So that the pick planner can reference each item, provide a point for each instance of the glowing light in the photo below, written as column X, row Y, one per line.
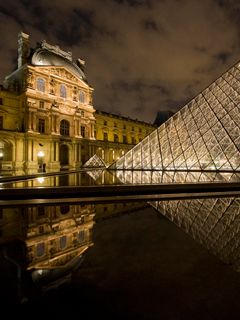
column 41, row 154
column 40, row 180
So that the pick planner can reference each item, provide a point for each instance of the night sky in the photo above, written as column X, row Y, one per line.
column 142, row 56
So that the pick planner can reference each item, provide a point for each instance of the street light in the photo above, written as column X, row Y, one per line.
column 40, row 180
column 40, row 157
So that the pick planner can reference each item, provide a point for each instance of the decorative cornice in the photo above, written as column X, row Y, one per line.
column 56, row 49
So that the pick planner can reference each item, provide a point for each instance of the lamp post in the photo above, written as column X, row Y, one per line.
column 40, row 159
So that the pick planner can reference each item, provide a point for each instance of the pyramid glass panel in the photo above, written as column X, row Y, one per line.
column 159, row 176
column 203, row 135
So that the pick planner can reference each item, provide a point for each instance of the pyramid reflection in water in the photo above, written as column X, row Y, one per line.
column 203, row 135
column 212, row 222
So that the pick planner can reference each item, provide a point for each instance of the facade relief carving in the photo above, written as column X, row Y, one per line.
column 54, row 105
column 64, row 74
column 75, row 92
column 31, row 104
column 52, row 85
column 29, row 79
column 66, row 109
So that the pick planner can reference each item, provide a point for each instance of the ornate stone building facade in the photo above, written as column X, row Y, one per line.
column 47, row 119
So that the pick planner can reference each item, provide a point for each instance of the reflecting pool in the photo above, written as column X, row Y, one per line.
column 140, row 260
column 111, row 177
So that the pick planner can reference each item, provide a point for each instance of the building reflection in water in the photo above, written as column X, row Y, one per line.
column 46, row 244
column 213, row 222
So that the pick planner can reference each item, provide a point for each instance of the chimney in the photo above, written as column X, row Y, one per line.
column 23, row 47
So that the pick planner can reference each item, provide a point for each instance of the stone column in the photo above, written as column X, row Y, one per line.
column 57, row 151
column 29, row 119
column 34, row 123
column 57, row 125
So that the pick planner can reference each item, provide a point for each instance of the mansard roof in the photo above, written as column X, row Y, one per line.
column 48, row 55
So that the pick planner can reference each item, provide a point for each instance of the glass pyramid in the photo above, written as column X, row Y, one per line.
column 94, row 162
column 168, row 177
column 213, row 222
column 203, row 135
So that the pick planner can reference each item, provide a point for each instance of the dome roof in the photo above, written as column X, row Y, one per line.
column 44, row 57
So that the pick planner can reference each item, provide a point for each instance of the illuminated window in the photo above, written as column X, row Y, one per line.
column 41, row 125
column 63, row 91
column 40, row 84
column 82, row 97
column 64, row 128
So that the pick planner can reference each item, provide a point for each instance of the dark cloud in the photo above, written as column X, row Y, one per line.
column 134, row 3
column 141, row 56
column 78, row 29
column 139, row 86
column 150, row 25
column 223, row 57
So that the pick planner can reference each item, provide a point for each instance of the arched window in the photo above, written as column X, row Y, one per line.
column 63, row 91
column 82, row 97
column 64, row 128
column 40, row 84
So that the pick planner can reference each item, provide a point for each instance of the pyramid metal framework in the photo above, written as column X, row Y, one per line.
column 213, row 222
column 162, row 177
column 94, row 162
column 203, row 135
